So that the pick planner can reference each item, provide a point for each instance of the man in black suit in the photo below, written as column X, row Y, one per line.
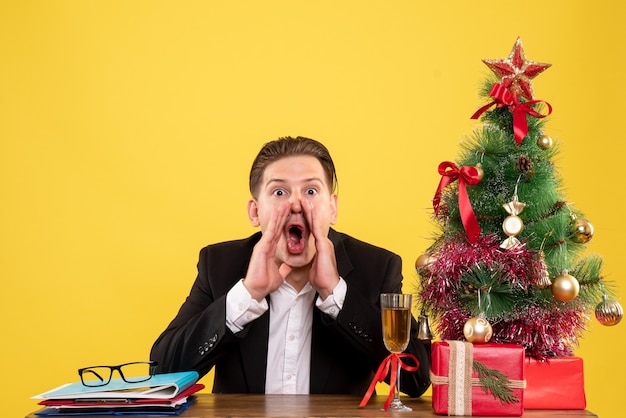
column 294, row 308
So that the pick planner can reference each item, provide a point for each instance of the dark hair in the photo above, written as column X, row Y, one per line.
column 287, row 147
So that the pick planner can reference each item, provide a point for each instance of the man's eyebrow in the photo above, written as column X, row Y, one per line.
column 313, row 179
column 307, row 180
column 275, row 180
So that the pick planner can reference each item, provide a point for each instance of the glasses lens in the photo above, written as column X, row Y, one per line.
column 96, row 376
column 137, row 372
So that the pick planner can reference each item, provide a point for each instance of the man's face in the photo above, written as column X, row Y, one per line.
column 292, row 180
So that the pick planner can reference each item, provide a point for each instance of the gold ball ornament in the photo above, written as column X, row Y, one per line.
column 565, row 287
column 582, row 230
column 424, row 260
column 544, row 142
column 609, row 312
column 481, row 172
column 477, row 330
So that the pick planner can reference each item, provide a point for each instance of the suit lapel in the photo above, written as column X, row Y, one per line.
column 253, row 347
column 320, row 365
column 344, row 265
column 254, row 354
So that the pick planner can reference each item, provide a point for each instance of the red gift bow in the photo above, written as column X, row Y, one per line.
column 392, row 362
column 466, row 175
column 503, row 97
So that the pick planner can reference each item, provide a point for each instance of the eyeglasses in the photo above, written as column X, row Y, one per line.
column 135, row 372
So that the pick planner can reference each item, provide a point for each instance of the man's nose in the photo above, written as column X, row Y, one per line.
column 296, row 205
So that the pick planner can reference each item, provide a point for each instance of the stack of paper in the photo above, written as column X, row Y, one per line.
column 164, row 394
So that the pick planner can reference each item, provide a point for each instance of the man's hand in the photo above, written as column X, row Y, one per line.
column 264, row 273
column 323, row 275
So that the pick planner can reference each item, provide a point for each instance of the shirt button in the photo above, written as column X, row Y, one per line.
column 248, row 315
column 288, row 377
column 292, row 337
column 332, row 311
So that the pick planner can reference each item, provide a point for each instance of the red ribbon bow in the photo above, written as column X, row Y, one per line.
column 503, row 97
column 392, row 362
column 466, row 175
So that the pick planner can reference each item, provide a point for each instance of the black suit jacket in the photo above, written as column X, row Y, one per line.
column 345, row 352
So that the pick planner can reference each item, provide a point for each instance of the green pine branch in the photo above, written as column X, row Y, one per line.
column 493, row 381
column 487, row 291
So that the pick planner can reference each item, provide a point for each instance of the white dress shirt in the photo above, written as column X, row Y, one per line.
column 291, row 320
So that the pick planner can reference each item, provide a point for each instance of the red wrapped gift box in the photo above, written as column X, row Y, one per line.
column 557, row 383
column 456, row 388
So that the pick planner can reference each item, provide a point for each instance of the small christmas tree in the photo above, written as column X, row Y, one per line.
column 508, row 264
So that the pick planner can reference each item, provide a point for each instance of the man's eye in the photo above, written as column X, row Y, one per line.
column 311, row 191
column 279, row 192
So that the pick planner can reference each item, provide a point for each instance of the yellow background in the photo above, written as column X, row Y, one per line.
column 127, row 129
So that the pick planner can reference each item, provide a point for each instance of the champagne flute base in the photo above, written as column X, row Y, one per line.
column 398, row 406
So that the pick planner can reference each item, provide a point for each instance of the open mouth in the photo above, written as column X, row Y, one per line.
column 295, row 238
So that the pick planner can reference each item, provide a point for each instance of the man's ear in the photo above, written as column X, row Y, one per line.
column 334, row 206
column 253, row 212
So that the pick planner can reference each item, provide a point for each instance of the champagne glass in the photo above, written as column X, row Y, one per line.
column 396, row 319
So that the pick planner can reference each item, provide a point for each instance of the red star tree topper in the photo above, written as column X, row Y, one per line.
column 516, row 72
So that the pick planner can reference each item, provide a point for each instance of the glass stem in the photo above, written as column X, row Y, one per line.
column 396, row 396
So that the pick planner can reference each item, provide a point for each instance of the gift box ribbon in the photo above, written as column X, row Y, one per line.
column 460, row 380
column 392, row 361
